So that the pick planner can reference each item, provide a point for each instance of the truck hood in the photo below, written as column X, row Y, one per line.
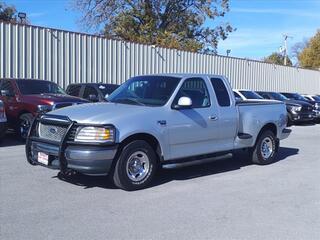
column 101, row 113
column 296, row 103
column 49, row 98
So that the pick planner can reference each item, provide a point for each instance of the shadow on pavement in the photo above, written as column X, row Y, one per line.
column 238, row 161
column 11, row 139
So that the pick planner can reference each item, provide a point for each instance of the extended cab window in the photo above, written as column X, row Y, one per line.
column 221, row 92
column 196, row 90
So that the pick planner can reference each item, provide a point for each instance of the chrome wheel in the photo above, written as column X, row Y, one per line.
column 138, row 166
column 266, row 147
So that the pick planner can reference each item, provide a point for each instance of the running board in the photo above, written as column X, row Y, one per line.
column 195, row 162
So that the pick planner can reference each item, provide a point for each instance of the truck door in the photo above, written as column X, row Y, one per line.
column 193, row 131
column 228, row 115
column 8, row 97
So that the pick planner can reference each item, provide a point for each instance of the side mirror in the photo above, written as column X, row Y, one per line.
column 6, row 93
column 183, row 103
column 93, row 98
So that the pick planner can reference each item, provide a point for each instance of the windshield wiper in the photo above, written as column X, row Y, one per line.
column 128, row 100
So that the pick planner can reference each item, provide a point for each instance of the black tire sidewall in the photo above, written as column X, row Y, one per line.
column 259, row 158
column 24, row 117
column 121, row 178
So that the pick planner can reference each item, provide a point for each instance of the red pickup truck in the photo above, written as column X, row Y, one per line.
column 25, row 98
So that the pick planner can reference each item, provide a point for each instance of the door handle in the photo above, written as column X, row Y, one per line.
column 213, row 118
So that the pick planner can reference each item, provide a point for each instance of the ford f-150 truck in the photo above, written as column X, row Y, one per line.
column 153, row 121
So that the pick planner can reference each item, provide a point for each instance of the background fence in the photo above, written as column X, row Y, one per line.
column 69, row 57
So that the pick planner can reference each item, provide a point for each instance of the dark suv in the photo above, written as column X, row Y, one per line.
column 314, row 103
column 25, row 98
column 93, row 92
column 298, row 111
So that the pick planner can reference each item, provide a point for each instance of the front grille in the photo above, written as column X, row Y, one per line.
column 51, row 132
column 307, row 109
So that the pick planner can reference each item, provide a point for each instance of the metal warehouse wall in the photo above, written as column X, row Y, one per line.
column 68, row 57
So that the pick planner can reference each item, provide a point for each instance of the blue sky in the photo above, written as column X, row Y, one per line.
column 260, row 23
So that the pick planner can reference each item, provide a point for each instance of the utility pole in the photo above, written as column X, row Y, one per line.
column 285, row 48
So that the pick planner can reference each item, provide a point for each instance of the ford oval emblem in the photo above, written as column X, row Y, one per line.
column 53, row 130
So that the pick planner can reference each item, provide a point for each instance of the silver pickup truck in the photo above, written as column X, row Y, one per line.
column 153, row 121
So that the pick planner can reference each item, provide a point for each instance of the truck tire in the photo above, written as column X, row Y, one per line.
column 265, row 149
column 135, row 167
column 25, row 121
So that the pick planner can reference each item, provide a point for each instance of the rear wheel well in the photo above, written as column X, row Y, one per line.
column 23, row 112
column 154, row 143
column 270, row 126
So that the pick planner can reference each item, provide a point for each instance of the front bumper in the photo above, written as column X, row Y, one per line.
column 317, row 114
column 65, row 155
column 302, row 117
column 92, row 160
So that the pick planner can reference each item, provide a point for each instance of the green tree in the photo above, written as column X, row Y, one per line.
column 277, row 58
column 175, row 24
column 7, row 13
column 310, row 55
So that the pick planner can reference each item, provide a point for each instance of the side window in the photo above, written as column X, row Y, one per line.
column 89, row 91
column 74, row 90
column 196, row 90
column 6, row 85
column 221, row 92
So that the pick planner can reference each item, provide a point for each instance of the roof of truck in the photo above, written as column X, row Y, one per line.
column 183, row 75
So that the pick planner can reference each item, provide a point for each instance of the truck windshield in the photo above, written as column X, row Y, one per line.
column 278, row 96
column 32, row 87
column 145, row 90
column 250, row 95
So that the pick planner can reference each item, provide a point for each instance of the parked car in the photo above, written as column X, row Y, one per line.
column 152, row 121
column 93, row 92
column 3, row 120
column 315, row 104
column 25, row 98
column 314, row 98
column 245, row 94
column 298, row 111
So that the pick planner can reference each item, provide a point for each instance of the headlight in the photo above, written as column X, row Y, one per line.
column 295, row 109
column 317, row 106
column 95, row 134
column 44, row 108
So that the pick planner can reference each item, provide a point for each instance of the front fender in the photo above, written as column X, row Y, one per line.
column 159, row 134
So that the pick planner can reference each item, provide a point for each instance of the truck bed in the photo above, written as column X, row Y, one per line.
column 257, row 102
column 254, row 114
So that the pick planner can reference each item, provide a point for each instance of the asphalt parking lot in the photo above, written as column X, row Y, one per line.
column 225, row 199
